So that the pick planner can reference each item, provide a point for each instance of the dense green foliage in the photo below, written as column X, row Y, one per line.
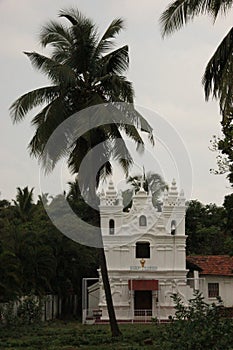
column 225, row 145
column 36, row 258
column 198, row 326
column 209, row 228
column 29, row 311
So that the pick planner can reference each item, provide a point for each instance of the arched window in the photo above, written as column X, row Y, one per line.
column 111, row 227
column 142, row 220
column 143, row 250
column 173, row 227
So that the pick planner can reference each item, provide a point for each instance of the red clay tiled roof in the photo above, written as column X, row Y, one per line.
column 213, row 264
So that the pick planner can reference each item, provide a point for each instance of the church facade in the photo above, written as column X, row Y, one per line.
column 145, row 253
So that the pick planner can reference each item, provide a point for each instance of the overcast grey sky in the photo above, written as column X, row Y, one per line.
column 166, row 76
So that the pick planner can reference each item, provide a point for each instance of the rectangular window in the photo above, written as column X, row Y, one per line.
column 143, row 250
column 213, row 290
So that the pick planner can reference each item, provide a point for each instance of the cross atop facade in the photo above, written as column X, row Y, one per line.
column 143, row 179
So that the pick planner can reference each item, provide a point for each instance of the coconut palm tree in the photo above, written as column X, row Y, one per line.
column 84, row 71
column 36, row 259
column 24, row 203
column 10, row 276
column 151, row 182
column 217, row 79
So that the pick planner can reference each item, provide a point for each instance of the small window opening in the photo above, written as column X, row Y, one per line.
column 111, row 227
column 142, row 250
column 213, row 290
column 173, row 227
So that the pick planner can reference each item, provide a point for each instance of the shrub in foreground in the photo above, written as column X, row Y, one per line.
column 198, row 326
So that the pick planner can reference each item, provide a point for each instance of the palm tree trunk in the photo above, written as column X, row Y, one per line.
column 102, row 259
column 104, row 272
column 111, row 312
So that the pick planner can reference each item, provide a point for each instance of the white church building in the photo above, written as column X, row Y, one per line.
column 146, row 257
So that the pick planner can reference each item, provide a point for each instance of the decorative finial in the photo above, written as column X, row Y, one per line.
column 181, row 198
column 173, row 186
column 111, row 187
column 110, row 184
column 102, row 197
column 182, row 193
column 120, row 198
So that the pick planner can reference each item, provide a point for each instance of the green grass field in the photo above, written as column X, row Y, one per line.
column 74, row 336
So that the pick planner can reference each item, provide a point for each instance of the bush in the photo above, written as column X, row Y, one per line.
column 26, row 311
column 30, row 310
column 198, row 326
column 8, row 314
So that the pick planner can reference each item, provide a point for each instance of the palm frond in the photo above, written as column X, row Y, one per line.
column 104, row 171
column 55, row 34
column 120, row 152
column 78, row 153
column 145, row 127
column 125, row 163
column 128, row 111
column 114, row 28
column 134, row 180
column 117, row 88
column 180, row 12
column 175, row 16
column 40, row 117
column 46, row 125
column 24, row 202
column 102, row 159
column 32, row 99
column 133, row 133
column 105, row 42
column 58, row 73
column 217, row 79
column 73, row 15
column 84, row 40
column 60, row 55
column 115, row 62
column 96, row 158
column 122, row 89
column 53, row 116
column 217, row 7
column 83, row 32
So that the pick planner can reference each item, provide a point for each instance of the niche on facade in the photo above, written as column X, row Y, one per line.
column 142, row 220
